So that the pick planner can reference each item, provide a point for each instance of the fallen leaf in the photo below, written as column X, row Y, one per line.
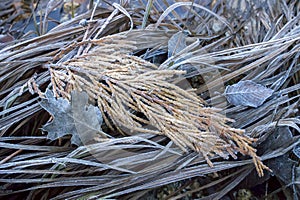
column 176, row 43
column 282, row 166
column 296, row 150
column 75, row 118
column 247, row 93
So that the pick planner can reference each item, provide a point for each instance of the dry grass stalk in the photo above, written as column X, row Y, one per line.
column 127, row 86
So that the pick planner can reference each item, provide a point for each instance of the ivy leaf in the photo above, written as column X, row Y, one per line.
column 247, row 93
column 77, row 118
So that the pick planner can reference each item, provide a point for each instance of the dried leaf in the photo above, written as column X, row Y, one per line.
column 281, row 166
column 247, row 93
column 176, row 43
column 296, row 150
column 73, row 118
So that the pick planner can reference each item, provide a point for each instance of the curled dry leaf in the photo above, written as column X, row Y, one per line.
column 247, row 93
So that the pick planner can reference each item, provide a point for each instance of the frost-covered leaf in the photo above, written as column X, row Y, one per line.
column 176, row 43
column 63, row 122
column 75, row 118
column 296, row 150
column 87, row 118
column 282, row 165
column 247, row 93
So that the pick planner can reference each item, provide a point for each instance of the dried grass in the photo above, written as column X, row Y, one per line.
column 243, row 41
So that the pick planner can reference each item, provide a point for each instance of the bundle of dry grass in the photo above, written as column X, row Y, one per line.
column 125, row 85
